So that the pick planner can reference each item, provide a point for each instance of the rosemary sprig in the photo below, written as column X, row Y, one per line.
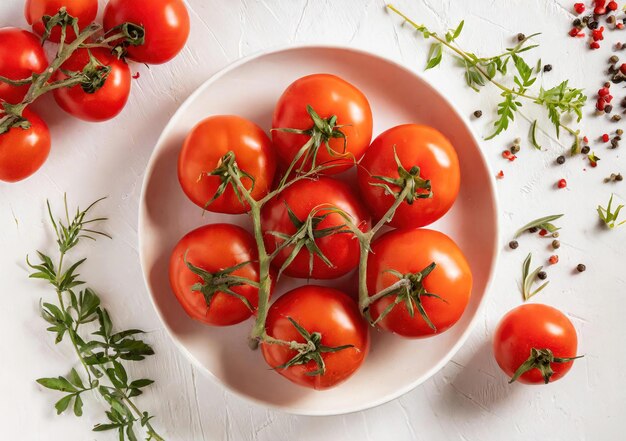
column 543, row 223
column 528, row 278
column 608, row 216
column 559, row 101
column 103, row 353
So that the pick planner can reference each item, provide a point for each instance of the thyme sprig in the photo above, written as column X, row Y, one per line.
column 545, row 223
column 529, row 277
column 559, row 101
column 609, row 216
column 103, row 353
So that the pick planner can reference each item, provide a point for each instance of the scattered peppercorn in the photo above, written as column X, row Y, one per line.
column 543, row 232
column 521, row 37
column 515, row 148
column 594, row 45
column 585, row 150
column 547, row 68
column 542, row 275
column 577, row 22
column 614, row 177
column 605, row 137
column 533, row 229
column 618, row 46
column 513, row 244
column 581, row 268
column 619, row 177
column 579, row 8
column 556, row 244
column 560, row 160
column 478, row 113
column 553, row 259
column 500, row 175
column 614, row 59
column 562, row 183
column 619, row 132
column 615, row 141
column 555, row 234
column 593, row 25
column 612, row 6
column 608, row 109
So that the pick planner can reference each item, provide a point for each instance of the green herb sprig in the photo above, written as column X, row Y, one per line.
column 609, row 216
column 102, row 353
column 529, row 277
column 559, row 101
column 545, row 223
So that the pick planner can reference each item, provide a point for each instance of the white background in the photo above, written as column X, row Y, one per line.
column 469, row 399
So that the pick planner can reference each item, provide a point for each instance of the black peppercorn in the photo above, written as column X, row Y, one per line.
column 478, row 113
column 513, row 244
column 577, row 22
column 515, row 148
column 533, row 229
column 580, row 267
column 542, row 275
column 614, row 59
column 585, row 150
column 556, row 244
column 614, row 143
column 615, row 117
column 593, row 25
column 560, row 160
column 619, row 132
column 521, row 37
column 608, row 109
column 619, row 177
column 547, row 68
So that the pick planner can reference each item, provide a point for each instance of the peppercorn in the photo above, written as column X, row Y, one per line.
column 608, row 108
column 555, row 234
column 560, row 160
column 521, row 37
column 580, row 268
column 517, row 140
column 614, row 59
column 610, row 19
column 615, row 117
column 553, row 259
column 607, row 85
column 542, row 275
column 585, row 150
column 618, row 46
column 478, row 113
column 619, row 177
column 619, row 132
column 513, row 244
column 562, row 183
column 577, row 22
column 515, row 148
column 533, row 229
column 556, row 244
column 547, row 68
column 613, row 69
column 614, row 142
column 605, row 137
column 593, row 25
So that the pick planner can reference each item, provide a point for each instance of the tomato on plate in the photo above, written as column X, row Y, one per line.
column 21, row 55
column 328, row 95
column 415, row 146
column 23, row 151
column 84, row 10
column 165, row 22
column 330, row 320
column 535, row 344
column 437, row 277
column 108, row 99
column 202, row 152
column 331, row 242
column 219, row 251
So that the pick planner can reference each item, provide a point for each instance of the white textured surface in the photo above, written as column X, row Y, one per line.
column 469, row 399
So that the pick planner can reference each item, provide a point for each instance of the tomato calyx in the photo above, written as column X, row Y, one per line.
column 62, row 19
column 322, row 131
column 311, row 350
column 220, row 282
column 227, row 169
column 306, row 235
column 407, row 179
column 409, row 289
column 541, row 359
column 131, row 34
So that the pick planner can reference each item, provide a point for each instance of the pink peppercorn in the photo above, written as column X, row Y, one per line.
column 594, row 45
column 597, row 34
column 573, row 32
column 562, row 183
column 579, row 8
column 554, row 259
column 605, row 138
column 612, row 6
column 600, row 104
column 603, row 91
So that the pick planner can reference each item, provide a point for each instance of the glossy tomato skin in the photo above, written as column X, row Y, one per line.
column 318, row 309
column 328, row 95
column 84, row 10
column 213, row 248
column 21, row 55
column 410, row 251
column 166, row 25
column 302, row 197
column 106, row 102
column 23, row 151
column 416, row 145
column 203, row 149
column 534, row 325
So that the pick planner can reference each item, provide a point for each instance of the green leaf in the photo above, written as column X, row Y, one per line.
column 78, row 406
column 434, row 56
column 63, row 403
column 506, row 110
column 59, row 383
column 542, row 222
column 138, row 384
column 533, row 135
column 75, row 379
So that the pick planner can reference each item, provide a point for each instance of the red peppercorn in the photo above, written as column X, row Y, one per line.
column 600, row 104
column 585, row 140
column 136, row 75
column 600, row 3
column 579, row 8
column 605, row 137
column 573, row 32
column 604, row 91
column 562, row 183
column 593, row 163
column 594, row 45
column 620, row 26
column 543, row 232
column 599, row 10
column 554, row 259
column 612, row 6
column 506, row 154
column 608, row 98
column 500, row 174
column 597, row 34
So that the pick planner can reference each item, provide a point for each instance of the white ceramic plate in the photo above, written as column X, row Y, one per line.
column 250, row 88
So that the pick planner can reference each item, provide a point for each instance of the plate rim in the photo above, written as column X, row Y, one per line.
column 142, row 214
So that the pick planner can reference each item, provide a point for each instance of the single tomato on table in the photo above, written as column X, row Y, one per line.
column 427, row 158
column 23, row 151
column 165, row 23
column 203, row 152
column 323, row 247
column 21, row 55
column 208, row 271
column 535, row 344
column 344, row 123
column 84, row 10
column 329, row 321
column 104, row 92
column 432, row 277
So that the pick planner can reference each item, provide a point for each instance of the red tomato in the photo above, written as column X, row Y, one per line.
column 204, row 148
column 84, row 10
column 107, row 101
column 302, row 197
column 21, row 55
column 409, row 252
column 540, row 327
column 328, row 95
column 415, row 145
column 166, row 25
column 214, row 248
column 336, row 318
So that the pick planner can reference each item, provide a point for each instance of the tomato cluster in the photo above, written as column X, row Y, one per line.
column 89, row 76
column 313, row 218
